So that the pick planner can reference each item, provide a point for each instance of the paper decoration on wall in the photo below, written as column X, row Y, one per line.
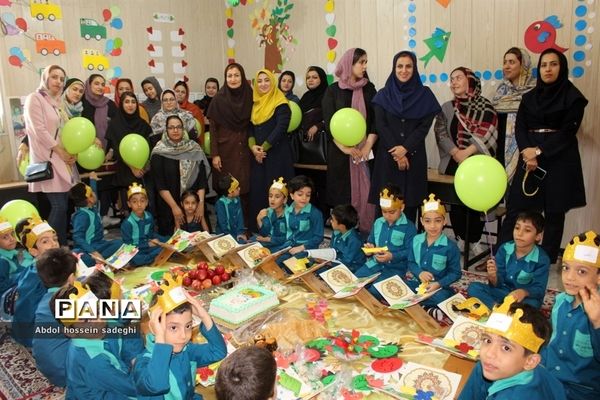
column 163, row 17
column 6, row 3
column 581, row 41
column 90, row 28
column 154, row 51
column 411, row 30
column 92, row 59
column 156, row 68
column 19, row 58
column 12, row 26
column 177, row 36
column 44, row 9
column 541, row 35
column 332, row 43
column 273, row 33
column 111, row 15
column 437, row 45
column 154, row 35
column 444, row 3
column 46, row 43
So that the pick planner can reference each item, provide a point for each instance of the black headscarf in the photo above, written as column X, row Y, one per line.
column 313, row 97
column 409, row 99
column 553, row 97
column 124, row 123
column 232, row 107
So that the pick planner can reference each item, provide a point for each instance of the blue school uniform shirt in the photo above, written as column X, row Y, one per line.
column 304, row 228
column 275, row 227
column 573, row 353
column 230, row 219
column 161, row 374
column 138, row 231
column 537, row 384
column 87, row 229
column 30, row 291
column 441, row 259
column 529, row 272
column 101, row 368
column 11, row 268
column 397, row 237
column 50, row 350
column 348, row 247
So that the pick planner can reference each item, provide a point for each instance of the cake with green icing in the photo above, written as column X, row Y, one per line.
column 242, row 303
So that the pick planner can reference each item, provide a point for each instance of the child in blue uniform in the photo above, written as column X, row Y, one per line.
column 434, row 259
column 189, row 204
column 520, row 267
column 167, row 368
column 98, row 366
column 346, row 240
column 88, row 233
column 56, row 267
column 138, row 228
column 271, row 221
column 251, row 371
column 230, row 219
column 509, row 366
column 12, row 263
column 573, row 354
column 37, row 237
column 394, row 231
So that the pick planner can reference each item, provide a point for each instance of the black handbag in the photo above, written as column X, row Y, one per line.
column 41, row 171
column 312, row 151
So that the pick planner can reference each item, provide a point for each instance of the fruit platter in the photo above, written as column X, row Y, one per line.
column 207, row 275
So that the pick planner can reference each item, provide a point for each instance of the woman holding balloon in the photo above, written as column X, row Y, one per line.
column 348, row 179
column 44, row 121
column 404, row 112
column 466, row 126
column 548, row 177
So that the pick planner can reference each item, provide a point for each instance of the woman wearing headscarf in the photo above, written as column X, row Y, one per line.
column 348, row 179
column 71, row 102
column 268, row 141
column 96, row 107
column 287, row 81
column 126, row 85
column 404, row 112
column 126, row 121
column 211, row 87
column 152, row 91
column 517, row 81
column 170, row 107
column 229, row 116
column 466, row 126
column 548, row 177
column 182, row 93
column 178, row 164
column 43, row 122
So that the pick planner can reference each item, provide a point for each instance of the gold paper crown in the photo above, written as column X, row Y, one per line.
column 584, row 248
column 233, row 185
column 389, row 201
column 433, row 204
column 172, row 294
column 88, row 191
column 83, row 293
column 511, row 327
column 134, row 188
column 280, row 185
column 5, row 226
column 34, row 228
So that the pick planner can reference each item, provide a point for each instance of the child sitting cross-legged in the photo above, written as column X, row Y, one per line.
column 230, row 219
column 346, row 240
column 138, row 228
column 88, row 233
column 271, row 221
column 573, row 354
column 509, row 366
column 434, row 259
column 248, row 373
column 167, row 367
column 520, row 267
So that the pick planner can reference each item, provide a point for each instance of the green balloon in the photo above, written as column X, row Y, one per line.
column 206, row 144
column 296, row 116
column 16, row 210
column 199, row 127
column 24, row 164
column 480, row 182
column 78, row 134
column 92, row 158
column 118, row 42
column 134, row 150
column 348, row 126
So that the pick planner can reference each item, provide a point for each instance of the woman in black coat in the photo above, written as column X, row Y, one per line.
column 549, row 177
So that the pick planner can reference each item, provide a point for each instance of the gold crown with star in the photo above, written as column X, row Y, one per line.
column 389, row 201
column 172, row 295
column 511, row 327
column 233, row 185
column 5, row 226
column 433, row 204
column 584, row 248
column 34, row 228
column 135, row 188
column 280, row 185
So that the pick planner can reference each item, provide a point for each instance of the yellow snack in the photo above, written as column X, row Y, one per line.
column 374, row 250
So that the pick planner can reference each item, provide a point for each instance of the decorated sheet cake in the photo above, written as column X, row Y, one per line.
column 242, row 303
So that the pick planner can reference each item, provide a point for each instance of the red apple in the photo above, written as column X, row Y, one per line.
column 193, row 274
column 197, row 285
column 187, row 281
column 206, row 283
column 202, row 265
column 225, row 277
column 219, row 270
column 216, row 280
column 202, row 274
column 210, row 273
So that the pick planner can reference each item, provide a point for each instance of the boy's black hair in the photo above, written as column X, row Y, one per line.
column 100, row 284
column 180, row 309
column 77, row 194
column 21, row 230
column 299, row 182
column 188, row 193
column 223, row 185
column 393, row 190
column 55, row 266
column 540, row 324
column 247, row 374
column 345, row 215
column 63, row 293
column 536, row 219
